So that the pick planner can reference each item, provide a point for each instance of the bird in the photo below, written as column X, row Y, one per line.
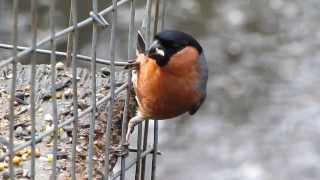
column 170, row 77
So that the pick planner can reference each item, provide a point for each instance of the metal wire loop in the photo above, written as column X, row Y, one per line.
column 99, row 19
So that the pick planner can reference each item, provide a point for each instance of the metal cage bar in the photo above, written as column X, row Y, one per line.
column 33, row 85
column 127, row 98
column 144, row 148
column 53, row 90
column 93, row 90
column 119, row 62
column 155, row 150
column 163, row 14
column 112, row 53
column 132, row 163
column 69, row 42
column 147, row 21
column 139, row 153
column 13, row 88
column 74, row 10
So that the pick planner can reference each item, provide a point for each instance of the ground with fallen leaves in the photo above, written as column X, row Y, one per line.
column 44, row 121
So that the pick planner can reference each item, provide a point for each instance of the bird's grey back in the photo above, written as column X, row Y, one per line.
column 204, row 73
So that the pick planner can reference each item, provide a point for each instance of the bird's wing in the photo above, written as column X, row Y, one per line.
column 202, row 86
column 203, row 73
column 195, row 108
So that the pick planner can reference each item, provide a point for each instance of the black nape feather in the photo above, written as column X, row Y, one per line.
column 178, row 39
column 170, row 42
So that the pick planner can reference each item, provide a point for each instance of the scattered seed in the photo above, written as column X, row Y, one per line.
column 48, row 118
column 50, row 157
column 2, row 166
column 37, row 152
column 60, row 66
column 17, row 161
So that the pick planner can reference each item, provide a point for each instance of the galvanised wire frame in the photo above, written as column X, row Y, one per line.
column 96, row 19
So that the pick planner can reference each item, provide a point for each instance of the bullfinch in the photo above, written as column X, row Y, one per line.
column 169, row 78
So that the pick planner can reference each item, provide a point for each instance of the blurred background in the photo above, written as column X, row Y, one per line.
column 261, row 117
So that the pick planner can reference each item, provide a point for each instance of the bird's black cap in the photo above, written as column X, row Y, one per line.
column 179, row 38
column 169, row 42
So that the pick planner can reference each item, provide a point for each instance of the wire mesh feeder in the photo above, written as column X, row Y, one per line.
column 70, row 122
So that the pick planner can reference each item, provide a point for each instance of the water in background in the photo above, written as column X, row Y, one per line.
column 261, row 118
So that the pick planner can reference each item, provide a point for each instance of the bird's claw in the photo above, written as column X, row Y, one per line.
column 129, row 132
column 122, row 150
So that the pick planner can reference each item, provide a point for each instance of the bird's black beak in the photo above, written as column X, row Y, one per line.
column 141, row 44
column 155, row 50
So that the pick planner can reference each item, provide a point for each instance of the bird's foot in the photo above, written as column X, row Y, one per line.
column 129, row 132
column 132, row 123
column 122, row 150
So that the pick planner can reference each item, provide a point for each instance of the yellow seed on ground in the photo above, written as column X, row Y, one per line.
column 28, row 151
column 29, row 129
column 61, row 131
column 17, row 160
column 59, row 66
column 23, row 151
column 24, row 156
column 48, row 127
column 27, row 88
column 2, row 166
column 19, row 153
column 50, row 157
column 59, row 94
column 37, row 152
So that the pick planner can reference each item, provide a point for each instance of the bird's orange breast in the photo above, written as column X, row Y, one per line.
column 168, row 91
